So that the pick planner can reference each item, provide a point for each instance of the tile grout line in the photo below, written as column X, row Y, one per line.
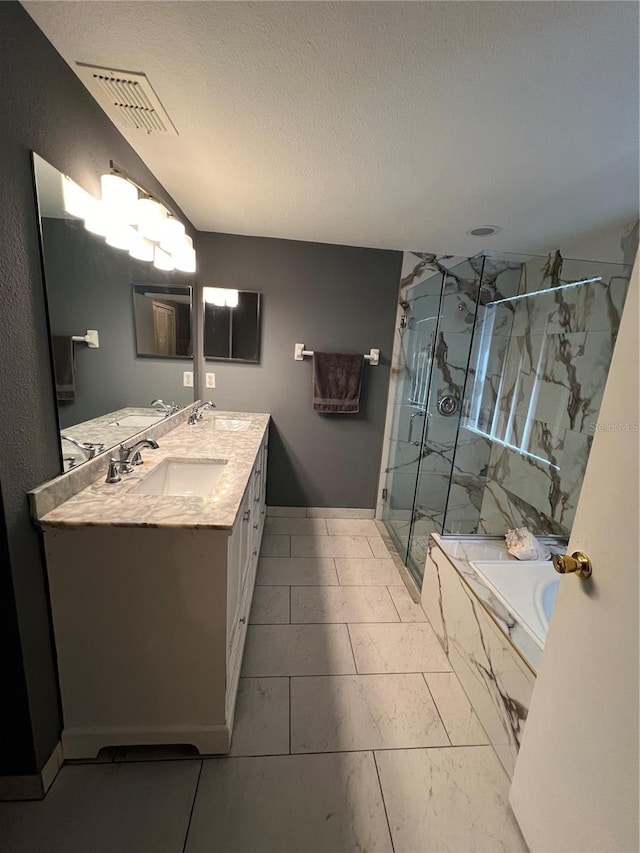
column 400, row 619
column 193, row 803
column 342, row 622
column 335, row 675
column 435, row 705
column 353, row 654
column 384, row 802
column 290, row 677
column 228, row 757
column 358, row 751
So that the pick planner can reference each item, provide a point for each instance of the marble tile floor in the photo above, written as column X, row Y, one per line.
column 351, row 732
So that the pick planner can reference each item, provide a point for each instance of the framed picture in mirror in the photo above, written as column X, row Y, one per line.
column 231, row 324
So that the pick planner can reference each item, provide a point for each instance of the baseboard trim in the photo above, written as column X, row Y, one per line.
column 87, row 742
column 319, row 512
column 32, row 786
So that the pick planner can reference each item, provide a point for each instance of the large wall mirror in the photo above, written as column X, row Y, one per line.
column 105, row 393
column 231, row 324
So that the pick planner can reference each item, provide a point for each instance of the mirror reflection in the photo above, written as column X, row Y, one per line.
column 231, row 324
column 105, row 391
column 163, row 320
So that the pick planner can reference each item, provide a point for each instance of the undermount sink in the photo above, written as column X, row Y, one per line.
column 138, row 420
column 231, row 424
column 187, row 477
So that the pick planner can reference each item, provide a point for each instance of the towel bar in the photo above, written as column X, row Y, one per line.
column 373, row 356
column 91, row 339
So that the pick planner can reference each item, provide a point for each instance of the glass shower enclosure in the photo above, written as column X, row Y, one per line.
column 498, row 379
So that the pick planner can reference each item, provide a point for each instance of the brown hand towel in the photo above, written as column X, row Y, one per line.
column 64, row 367
column 337, row 378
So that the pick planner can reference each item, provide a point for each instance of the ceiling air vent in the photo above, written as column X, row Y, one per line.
column 127, row 97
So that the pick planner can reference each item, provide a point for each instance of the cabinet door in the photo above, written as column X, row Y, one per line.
column 238, row 559
column 259, row 492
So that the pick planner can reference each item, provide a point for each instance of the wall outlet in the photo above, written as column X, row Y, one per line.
column 210, row 380
column 187, row 378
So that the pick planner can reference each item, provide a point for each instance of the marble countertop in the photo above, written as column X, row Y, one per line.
column 105, row 430
column 464, row 551
column 113, row 505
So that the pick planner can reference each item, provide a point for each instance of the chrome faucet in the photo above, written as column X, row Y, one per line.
column 196, row 414
column 130, row 456
column 89, row 448
column 168, row 409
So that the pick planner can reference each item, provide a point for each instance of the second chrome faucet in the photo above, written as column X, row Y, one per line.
column 196, row 414
column 129, row 456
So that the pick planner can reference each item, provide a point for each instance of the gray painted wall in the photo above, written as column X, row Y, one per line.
column 89, row 286
column 335, row 298
column 45, row 108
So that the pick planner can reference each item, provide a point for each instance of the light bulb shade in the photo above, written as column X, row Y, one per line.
column 214, row 296
column 142, row 249
column 96, row 219
column 120, row 236
column 185, row 260
column 231, row 298
column 77, row 202
column 151, row 217
column 120, row 197
column 188, row 242
column 162, row 260
column 173, row 235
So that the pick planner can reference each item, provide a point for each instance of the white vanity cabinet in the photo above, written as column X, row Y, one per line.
column 244, row 549
column 150, row 625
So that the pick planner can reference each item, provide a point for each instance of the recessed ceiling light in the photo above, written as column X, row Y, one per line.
column 484, row 230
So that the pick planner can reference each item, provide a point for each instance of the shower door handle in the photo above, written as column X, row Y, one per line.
column 414, row 415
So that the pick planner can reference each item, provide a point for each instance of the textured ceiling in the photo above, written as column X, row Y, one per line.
column 387, row 124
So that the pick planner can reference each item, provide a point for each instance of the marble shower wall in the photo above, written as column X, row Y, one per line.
column 546, row 362
column 529, row 374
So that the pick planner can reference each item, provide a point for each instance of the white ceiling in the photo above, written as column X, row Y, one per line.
column 389, row 124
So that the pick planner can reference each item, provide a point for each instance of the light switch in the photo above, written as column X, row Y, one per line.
column 187, row 378
column 210, row 380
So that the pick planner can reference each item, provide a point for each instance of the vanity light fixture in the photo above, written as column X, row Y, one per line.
column 185, row 257
column 120, row 197
column 186, row 260
column 221, row 297
column 120, row 236
column 162, row 260
column 172, row 239
column 77, row 202
column 96, row 219
column 151, row 216
column 214, row 296
column 142, row 249
column 129, row 218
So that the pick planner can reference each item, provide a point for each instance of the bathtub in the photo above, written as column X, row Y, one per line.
column 527, row 589
column 491, row 613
